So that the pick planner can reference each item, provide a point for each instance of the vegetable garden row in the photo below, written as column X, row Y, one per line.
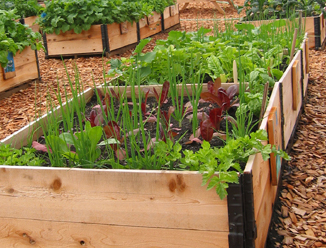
column 133, row 163
column 162, row 196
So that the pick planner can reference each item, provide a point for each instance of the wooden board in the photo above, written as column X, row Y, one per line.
column 153, row 26
column 26, row 70
column 171, row 16
column 290, row 115
column 296, row 81
column 117, row 39
column 275, row 139
column 120, row 200
column 157, row 199
column 70, row 43
column 30, row 21
column 264, row 191
column 24, row 233
column 33, row 131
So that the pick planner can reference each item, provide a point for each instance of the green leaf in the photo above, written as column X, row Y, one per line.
column 108, row 142
column 221, row 190
column 139, row 48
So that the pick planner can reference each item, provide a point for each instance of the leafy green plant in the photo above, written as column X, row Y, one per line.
column 265, row 9
column 227, row 160
column 25, row 156
column 79, row 15
column 24, row 8
column 14, row 36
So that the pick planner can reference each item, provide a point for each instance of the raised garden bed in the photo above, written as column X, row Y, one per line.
column 314, row 26
column 26, row 70
column 133, row 207
column 171, row 17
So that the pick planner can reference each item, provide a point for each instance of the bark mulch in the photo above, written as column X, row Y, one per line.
column 300, row 216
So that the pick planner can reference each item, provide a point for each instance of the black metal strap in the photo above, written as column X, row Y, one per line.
column 317, row 32
column 235, row 213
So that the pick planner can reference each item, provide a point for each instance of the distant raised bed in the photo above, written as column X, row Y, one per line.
column 171, row 17
column 26, row 69
column 314, row 26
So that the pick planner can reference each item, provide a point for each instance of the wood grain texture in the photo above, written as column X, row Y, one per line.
column 34, row 130
column 89, row 41
column 33, row 233
column 290, row 115
column 264, row 191
column 117, row 39
column 26, row 70
column 155, row 199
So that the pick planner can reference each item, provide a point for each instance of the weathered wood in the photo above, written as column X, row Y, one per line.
column 70, row 43
column 171, row 16
column 290, row 115
column 151, row 27
column 26, row 70
column 117, row 39
column 51, row 234
column 34, row 130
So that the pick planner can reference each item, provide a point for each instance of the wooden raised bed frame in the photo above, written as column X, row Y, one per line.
column 27, row 69
column 140, row 208
column 314, row 26
column 110, row 39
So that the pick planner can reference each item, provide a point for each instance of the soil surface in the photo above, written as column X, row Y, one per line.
column 300, row 217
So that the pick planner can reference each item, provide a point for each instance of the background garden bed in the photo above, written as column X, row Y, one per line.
column 26, row 68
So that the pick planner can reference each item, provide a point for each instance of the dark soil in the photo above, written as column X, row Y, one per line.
column 183, row 132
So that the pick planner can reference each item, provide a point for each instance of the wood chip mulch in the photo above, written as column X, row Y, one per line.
column 300, row 217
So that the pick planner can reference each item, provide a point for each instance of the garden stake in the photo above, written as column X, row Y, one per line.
column 263, row 104
column 293, row 43
column 235, row 72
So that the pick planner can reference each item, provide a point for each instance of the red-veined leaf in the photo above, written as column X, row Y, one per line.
column 207, row 96
column 112, row 130
column 215, row 116
column 232, row 90
column 40, row 147
column 117, row 96
column 206, row 129
column 165, row 91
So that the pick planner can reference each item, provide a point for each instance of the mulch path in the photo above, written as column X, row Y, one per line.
column 300, row 216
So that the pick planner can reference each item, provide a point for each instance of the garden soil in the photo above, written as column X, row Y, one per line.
column 300, row 215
